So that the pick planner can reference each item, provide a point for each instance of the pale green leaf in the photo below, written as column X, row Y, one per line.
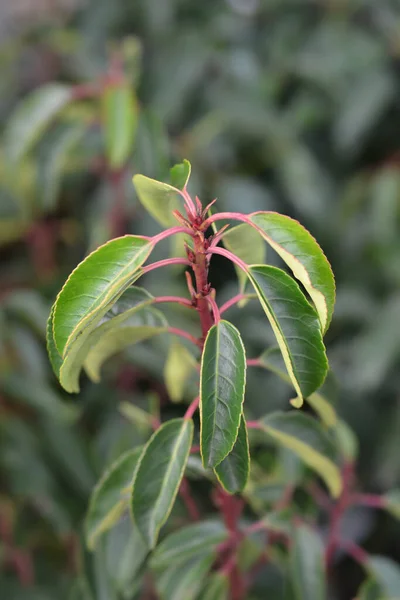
column 386, row 572
column 392, row 503
column 245, row 242
column 233, row 471
column 159, row 476
column 109, row 498
column 31, row 117
column 184, row 581
column 300, row 251
column 180, row 174
column 296, row 327
column 120, row 115
column 307, row 564
column 178, row 368
column 305, row 437
column 222, row 386
column 159, row 199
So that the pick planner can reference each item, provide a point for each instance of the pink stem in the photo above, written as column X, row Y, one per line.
column 184, row 334
column 371, row 500
column 229, row 255
column 215, row 309
column 169, row 232
column 192, row 408
column 174, row 299
column 355, row 551
column 253, row 425
column 189, row 202
column 194, row 449
column 225, row 216
column 234, row 301
column 189, row 502
column 166, row 262
column 254, row 362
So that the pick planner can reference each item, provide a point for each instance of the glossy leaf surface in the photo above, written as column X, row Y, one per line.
column 159, row 199
column 296, row 327
column 305, row 437
column 95, row 285
column 307, row 565
column 159, row 475
column 222, row 386
column 109, row 498
column 233, row 471
column 303, row 255
column 184, row 580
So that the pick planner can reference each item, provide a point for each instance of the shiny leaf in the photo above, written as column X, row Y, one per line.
column 159, row 475
column 159, row 199
column 233, row 471
column 296, row 327
column 222, row 386
column 184, row 580
column 300, row 251
column 180, row 174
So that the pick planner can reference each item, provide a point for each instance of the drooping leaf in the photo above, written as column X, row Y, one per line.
column 233, row 471
column 109, row 498
column 184, row 580
column 244, row 241
column 32, row 116
column 178, row 368
column 386, row 572
column 120, row 116
column 305, row 437
column 54, row 356
column 95, row 285
column 180, row 174
column 392, row 503
column 187, row 542
column 222, row 387
column 159, row 199
column 159, row 475
column 296, row 327
column 300, row 251
column 272, row 360
column 119, row 333
column 307, row 564
column 217, row 588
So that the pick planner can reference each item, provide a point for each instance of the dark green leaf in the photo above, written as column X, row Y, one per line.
column 233, row 471
column 217, row 588
column 184, row 580
column 159, row 476
column 296, row 327
column 222, row 386
column 307, row 564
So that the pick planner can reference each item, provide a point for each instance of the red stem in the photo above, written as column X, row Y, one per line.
column 229, row 255
column 165, row 263
column 184, row 334
column 355, row 551
column 337, row 514
column 224, row 216
column 233, row 301
column 254, row 362
column 215, row 309
column 188, row 499
column 371, row 500
column 253, row 425
column 169, row 232
column 192, row 408
column 200, row 268
column 173, row 299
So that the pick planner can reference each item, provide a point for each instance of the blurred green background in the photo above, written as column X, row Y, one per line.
column 286, row 105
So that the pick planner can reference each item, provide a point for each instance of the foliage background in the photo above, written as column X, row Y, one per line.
column 279, row 104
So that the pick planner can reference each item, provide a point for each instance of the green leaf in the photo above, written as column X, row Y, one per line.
column 159, row 476
column 272, row 360
column 184, row 581
column 233, row 471
column 133, row 322
column 187, row 542
column 217, row 588
column 392, row 503
column 370, row 590
column 120, row 117
column 119, row 333
column 296, row 327
column 180, row 174
column 54, row 356
column 32, row 116
column 307, row 565
column 346, row 441
column 301, row 252
column 305, row 437
column 94, row 286
column 109, row 498
column 159, row 199
column 386, row 573
column 178, row 368
column 245, row 242
column 52, row 162
column 222, row 387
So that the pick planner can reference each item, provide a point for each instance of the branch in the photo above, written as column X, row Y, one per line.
column 174, row 299
column 230, row 256
column 184, row 334
column 235, row 300
column 165, row 263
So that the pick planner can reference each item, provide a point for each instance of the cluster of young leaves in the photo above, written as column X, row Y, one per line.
column 98, row 313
